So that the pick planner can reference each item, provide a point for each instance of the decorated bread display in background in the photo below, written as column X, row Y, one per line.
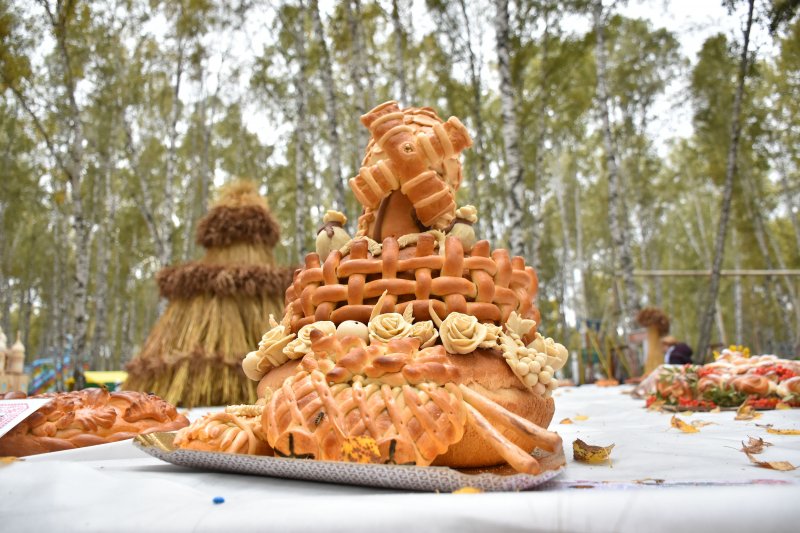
column 86, row 418
column 733, row 379
column 412, row 342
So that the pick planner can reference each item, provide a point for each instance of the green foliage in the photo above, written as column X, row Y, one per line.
column 177, row 97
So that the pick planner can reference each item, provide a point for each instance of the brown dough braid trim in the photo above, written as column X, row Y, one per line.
column 227, row 225
column 197, row 278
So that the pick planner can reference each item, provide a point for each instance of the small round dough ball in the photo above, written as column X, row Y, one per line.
column 250, row 366
column 352, row 328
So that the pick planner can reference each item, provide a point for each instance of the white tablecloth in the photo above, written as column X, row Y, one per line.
column 708, row 485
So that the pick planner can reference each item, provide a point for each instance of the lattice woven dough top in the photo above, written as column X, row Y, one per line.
column 486, row 285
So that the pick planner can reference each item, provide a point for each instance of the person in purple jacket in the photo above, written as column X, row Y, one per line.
column 676, row 353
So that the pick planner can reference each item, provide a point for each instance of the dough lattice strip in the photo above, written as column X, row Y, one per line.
column 488, row 286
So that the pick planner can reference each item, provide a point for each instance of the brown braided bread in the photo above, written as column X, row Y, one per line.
column 89, row 417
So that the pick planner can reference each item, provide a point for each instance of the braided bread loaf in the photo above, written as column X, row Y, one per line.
column 89, row 417
column 237, row 430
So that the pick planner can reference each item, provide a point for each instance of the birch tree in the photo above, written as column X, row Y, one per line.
column 331, row 106
column 515, row 185
column 63, row 132
column 617, row 217
column 707, row 316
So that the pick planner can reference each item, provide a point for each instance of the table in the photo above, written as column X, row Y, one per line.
column 707, row 485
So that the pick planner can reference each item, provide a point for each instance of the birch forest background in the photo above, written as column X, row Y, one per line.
column 120, row 118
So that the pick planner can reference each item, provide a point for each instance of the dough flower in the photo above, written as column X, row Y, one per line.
column 302, row 344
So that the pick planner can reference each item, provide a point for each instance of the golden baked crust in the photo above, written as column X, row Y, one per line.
column 484, row 371
column 489, row 286
column 418, row 406
column 89, row 417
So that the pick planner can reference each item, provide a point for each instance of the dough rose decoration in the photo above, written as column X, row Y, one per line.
column 463, row 334
column 387, row 326
column 270, row 351
column 426, row 332
column 302, row 344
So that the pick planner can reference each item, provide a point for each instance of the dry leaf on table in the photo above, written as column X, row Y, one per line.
column 781, row 406
column 677, row 423
column 361, row 450
column 8, row 460
column 467, row 490
column 657, row 405
column 716, row 410
column 783, row 466
column 755, row 445
column 581, row 418
column 588, row 453
column 686, row 413
column 701, row 423
column 783, row 431
column 566, row 421
column 746, row 412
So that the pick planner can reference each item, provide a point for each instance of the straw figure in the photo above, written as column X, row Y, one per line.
column 219, row 306
column 657, row 324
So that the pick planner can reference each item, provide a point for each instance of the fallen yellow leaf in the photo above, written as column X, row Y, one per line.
column 588, row 453
column 686, row 413
column 677, row 423
column 783, row 431
column 467, row 490
column 361, row 450
column 701, row 423
column 8, row 460
column 581, row 418
column 746, row 412
column 566, row 421
column 783, row 466
column 781, row 406
column 715, row 410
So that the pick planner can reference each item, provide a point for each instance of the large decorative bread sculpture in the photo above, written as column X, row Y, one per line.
column 413, row 337
column 86, row 418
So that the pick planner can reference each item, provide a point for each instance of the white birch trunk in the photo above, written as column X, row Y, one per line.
column 727, row 194
column 515, row 186
column 301, row 206
column 105, row 244
column 329, row 92
column 628, row 298
column 475, row 85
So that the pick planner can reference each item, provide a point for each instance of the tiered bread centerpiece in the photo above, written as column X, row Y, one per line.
column 412, row 342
